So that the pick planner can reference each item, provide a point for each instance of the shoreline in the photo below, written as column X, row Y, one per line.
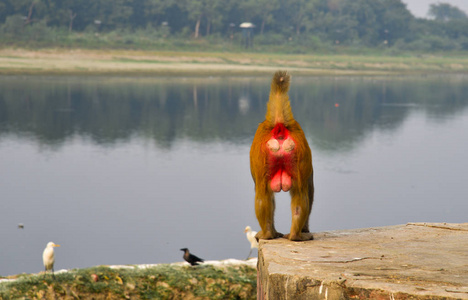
column 230, row 262
column 224, row 279
column 202, row 64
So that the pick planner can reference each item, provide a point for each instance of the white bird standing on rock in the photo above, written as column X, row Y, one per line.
column 251, row 237
column 48, row 257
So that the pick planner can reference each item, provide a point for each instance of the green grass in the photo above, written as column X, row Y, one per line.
column 162, row 281
column 54, row 61
column 140, row 61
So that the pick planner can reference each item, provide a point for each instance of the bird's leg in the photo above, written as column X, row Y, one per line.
column 249, row 254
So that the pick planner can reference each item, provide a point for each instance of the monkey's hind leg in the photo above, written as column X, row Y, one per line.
column 311, row 202
column 300, row 214
column 265, row 210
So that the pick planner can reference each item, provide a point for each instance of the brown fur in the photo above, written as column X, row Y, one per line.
column 302, row 190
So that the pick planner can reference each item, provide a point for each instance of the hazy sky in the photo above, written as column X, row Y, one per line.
column 419, row 8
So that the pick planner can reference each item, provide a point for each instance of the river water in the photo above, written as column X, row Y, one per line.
column 129, row 170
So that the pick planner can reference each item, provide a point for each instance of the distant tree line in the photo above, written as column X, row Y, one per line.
column 315, row 23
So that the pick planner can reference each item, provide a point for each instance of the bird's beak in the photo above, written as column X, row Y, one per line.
column 55, row 245
column 245, row 230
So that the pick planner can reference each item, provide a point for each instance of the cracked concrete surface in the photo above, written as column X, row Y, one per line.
column 412, row 261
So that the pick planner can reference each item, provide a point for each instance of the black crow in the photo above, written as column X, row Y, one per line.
column 190, row 258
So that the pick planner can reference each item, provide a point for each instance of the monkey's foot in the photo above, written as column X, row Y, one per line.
column 303, row 236
column 268, row 235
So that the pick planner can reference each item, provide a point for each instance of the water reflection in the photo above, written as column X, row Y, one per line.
column 334, row 112
column 118, row 168
column 110, row 110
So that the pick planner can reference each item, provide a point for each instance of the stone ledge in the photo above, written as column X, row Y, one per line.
column 412, row 261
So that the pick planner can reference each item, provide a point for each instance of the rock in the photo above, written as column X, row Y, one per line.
column 417, row 260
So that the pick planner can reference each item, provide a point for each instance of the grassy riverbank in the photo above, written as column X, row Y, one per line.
column 175, row 281
column 149, row 63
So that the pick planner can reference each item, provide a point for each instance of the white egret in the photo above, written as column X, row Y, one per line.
column 251, row 237
column 48, row 257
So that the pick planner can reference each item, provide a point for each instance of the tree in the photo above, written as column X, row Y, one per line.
column 112, row 13
column 14, row 25
column 378, row 21
column 5, row 10
column 367, row 14
column 209, row 10
column 64, row 12
column 445, row 12
column 301, row 12
column 26, row 8
column 155, row 10
column 195, row 10
column 212, row 13
column 395, row 21
column 261, row 9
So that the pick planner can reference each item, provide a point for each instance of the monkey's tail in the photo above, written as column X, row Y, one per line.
column 278, row 107
column 280, row 82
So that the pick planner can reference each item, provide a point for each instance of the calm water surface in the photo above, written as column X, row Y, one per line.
column 130, row 170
